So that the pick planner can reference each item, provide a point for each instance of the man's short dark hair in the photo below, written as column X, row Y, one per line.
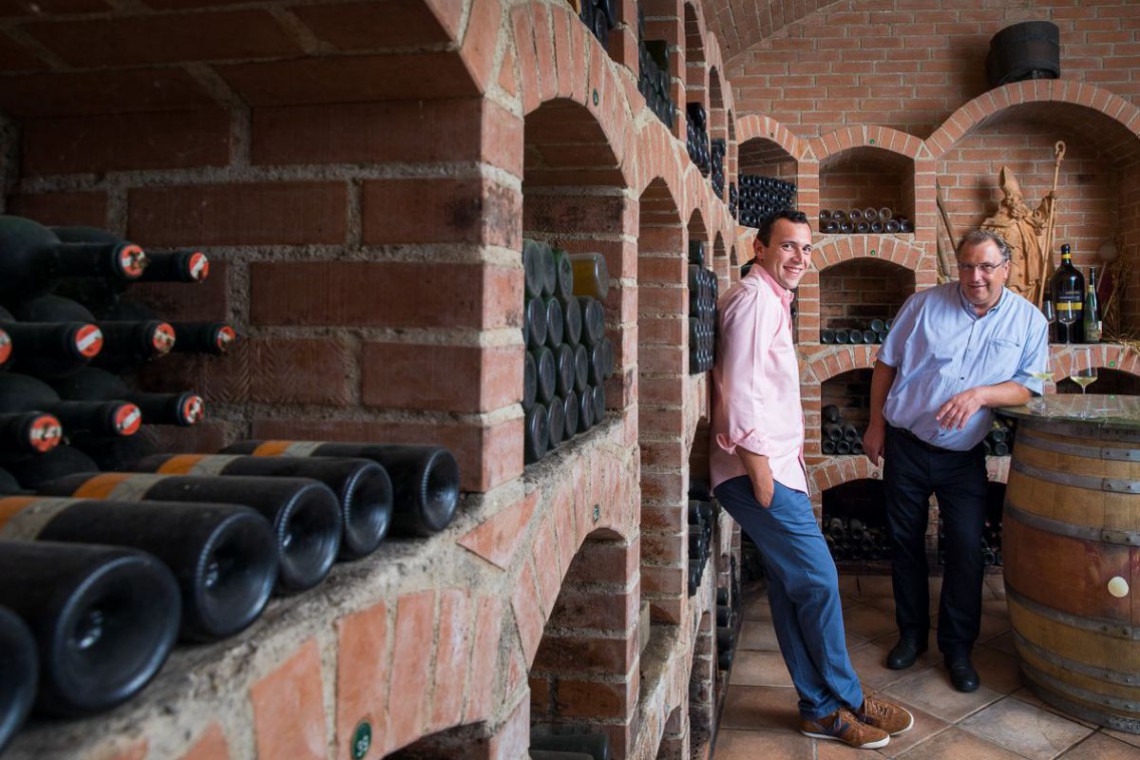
column 977, row 237
column 764, row 234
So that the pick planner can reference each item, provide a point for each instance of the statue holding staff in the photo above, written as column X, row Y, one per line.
column 1026, row 231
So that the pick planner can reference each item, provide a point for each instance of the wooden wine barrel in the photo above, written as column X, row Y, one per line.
column 1070, row 539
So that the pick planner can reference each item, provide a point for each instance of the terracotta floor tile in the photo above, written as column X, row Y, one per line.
column 995, row 584
column 759, row 669
column 758, row 635
column 1133, row 739
column 992, row 627
column 768, row 745
column 998, row 670
column 1003, row 643
column 757, row 607
column 1025, row 729
column 1026, row 695
column 878, row 586
column 930, row 690
column 870, row 660
column 925, row 726
column 997, row 607
column 867, row 622
column 956, row 744
column 836, row 750
column 1101, row 747
column 761, row 707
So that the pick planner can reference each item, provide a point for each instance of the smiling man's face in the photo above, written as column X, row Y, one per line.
column 788, row 255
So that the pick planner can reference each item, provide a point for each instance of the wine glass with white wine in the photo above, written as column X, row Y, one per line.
column 1044, row 374
column 1083, row 371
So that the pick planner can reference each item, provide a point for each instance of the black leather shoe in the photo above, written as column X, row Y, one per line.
column 962, row 673
column 905, row 653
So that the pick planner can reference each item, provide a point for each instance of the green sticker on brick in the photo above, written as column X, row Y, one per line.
column 595, row 97
column 361, row 740
column 597, row 512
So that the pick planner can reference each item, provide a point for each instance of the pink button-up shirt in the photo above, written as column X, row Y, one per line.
column 756, row 383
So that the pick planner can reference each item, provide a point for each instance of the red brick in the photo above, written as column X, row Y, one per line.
column 103, row 92
column 288, row 708
column 584, row 655
column 512, row 738
column 590, row 609
column 441, row 210
column 411, row 657
column 452, row 659
column 362, row 677
column 167, row 140
column 496, row 538
column 211, row 746
column 447, row 378
column 350, row 79
column 478, row 50
column 179, row 302
column 528, row 612
column 488, row 630
column 263, row 213
column 166, row 38
column 590, row 699
column 87, row 209
column 547, row 569
column 488, row 455
column 385, row 294
column 368, row 26
column 603, row 562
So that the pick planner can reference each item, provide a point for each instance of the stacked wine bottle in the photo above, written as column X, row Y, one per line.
column 598, row 16
column 874, row 331
column 999, row 440
column 653, row 76
column 703, row 289
column 697, row 137
column 716, row 157
column 733, row 200
column 850, row 538
column 702, row 521
column 760, row 197
column 727, row 624
column 862, row 221
column 568, row 356
column 990, row 545
column 840, row 437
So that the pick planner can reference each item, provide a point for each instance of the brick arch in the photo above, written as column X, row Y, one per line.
column 753, row 126
column 841, row 248
column 1064, row 102
column 840, row 359
column 654, row 162
column 1104, row 355
column 867, row 136
column 836, row 472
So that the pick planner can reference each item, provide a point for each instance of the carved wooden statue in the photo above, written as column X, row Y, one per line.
column 1025, row 230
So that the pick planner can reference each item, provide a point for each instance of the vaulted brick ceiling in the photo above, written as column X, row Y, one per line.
column 740, row 24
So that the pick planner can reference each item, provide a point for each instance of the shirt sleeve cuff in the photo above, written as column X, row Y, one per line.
column 751, row 441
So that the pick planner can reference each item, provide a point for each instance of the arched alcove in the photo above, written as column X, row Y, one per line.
column 868, row 177
column 848, row 395
column 856, row 292
column 854, row 525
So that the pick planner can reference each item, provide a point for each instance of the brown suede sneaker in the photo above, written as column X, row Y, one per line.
column 842, row 726
column 884, row 715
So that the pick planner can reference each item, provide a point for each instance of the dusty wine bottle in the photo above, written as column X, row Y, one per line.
column 93, row 384
column 48, row 349
column 593, row 320
column 104, row 619
column 534, row 323
column 19, row 672
column 532, row 268
column 362, row 487
column 62, row 460
column 570, row 416
column 8, row 484
column 555, row 322
column 19, row 393
column 536, row 435
column 547, row 373
column 35, row 259
column 168, row 266
column 572, row 321
column 556, row 421
column 215, row 338
column 26, row 434
column 223, row 556
column 304, row 513
column 530, row 380
column 564, row 282
column 425, row 479
column 581, row 368
column 566, row 370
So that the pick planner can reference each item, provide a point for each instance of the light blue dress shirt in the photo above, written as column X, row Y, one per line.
column 940, row 347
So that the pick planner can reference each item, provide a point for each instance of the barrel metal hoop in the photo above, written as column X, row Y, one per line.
column 1078, row 429
column 1058, row 685
column 1062, row 528
column 1087, row 482
column 1105, row 627
column 1115, row 454
column 1102, row 674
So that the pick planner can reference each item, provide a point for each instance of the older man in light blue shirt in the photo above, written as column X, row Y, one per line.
column 954, row 352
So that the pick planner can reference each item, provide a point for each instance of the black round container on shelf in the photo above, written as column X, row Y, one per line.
column 1029, row 50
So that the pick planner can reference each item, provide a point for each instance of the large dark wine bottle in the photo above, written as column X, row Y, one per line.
column 224, row 556
column 48, row 349
column 35, row 259
column 304, row 513
column 8, row 484
column 168, row 266
column 19, row 672
column 20, row 393
column 26, row 434
column 362, row 486
column 189, row 337
column 425, row 479
column 33, row 472
column 104, row 619
column 93, row 384
column 1068, row 286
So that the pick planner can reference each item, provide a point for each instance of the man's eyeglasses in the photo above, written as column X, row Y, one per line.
column 986, row 268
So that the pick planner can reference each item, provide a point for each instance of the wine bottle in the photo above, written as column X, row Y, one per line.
column 556, row 421
column 555, row 322
column 35, row 259
column 33, row 472
column 93, row 384
column 593, row 320
column 362, row 487
column 534, row 323
column 532, row 268
column 189, row 266
column 19, row 672
column 20, row 393
column 547, row 373
column 581, row 368
column 26, row 434
column 8, row 484
column 572, row 321
column 536, row 435
column 591, row 275
column 566, row 369
column 104, row 619
column 304, row 513
column 48, row 349
column 425, row 479
column 564, row 282
column 223, row 556
column 1091, row 316
column 530, row 380
column 570, row 415
column 1068, row 286
column 189, row 337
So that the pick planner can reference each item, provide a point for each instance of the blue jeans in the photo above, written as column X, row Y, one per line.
column 803, row 591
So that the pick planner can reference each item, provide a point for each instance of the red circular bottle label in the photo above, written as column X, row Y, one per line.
column 199, row 266
column 226, row 338
column 132, row 261
column 127, row 420
column 163, row 338
column 46, row 433
column 193, row 409
column 89, row 341
column 5, row 347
